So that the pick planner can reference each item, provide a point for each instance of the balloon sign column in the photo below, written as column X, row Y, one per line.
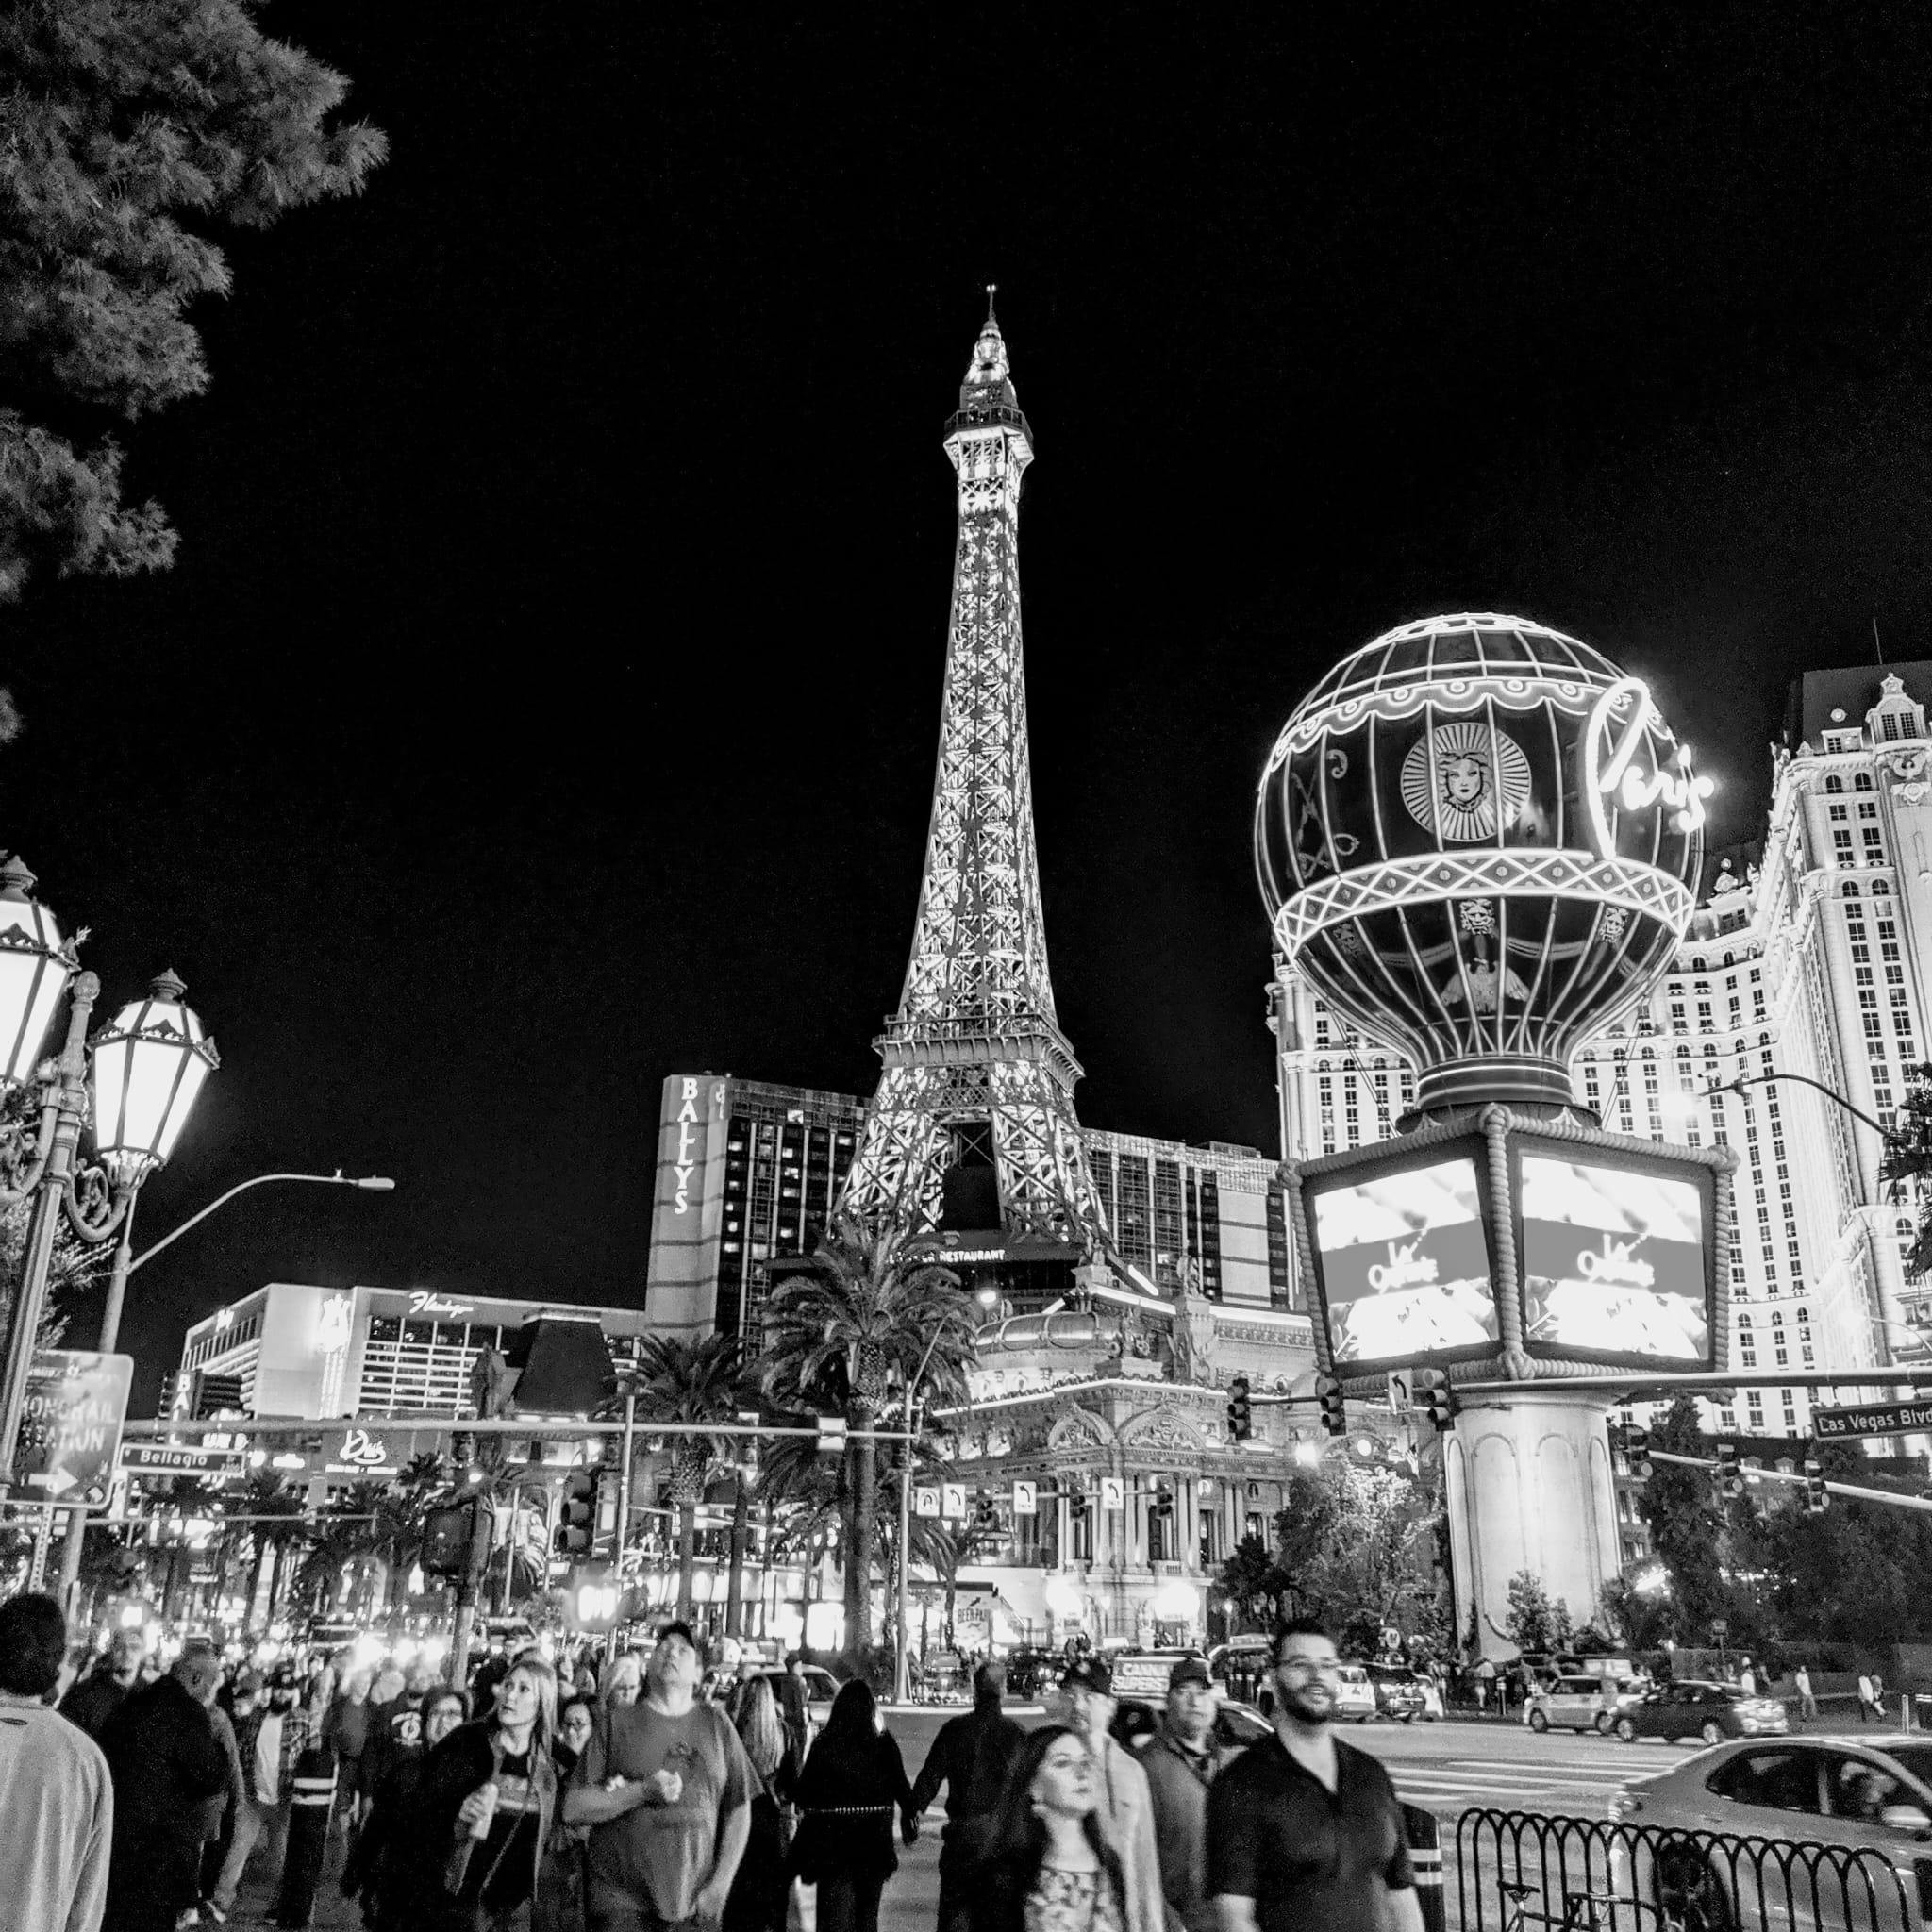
column 1478, row 839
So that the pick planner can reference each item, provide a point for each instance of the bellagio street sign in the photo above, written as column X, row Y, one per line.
column 1878, row 1419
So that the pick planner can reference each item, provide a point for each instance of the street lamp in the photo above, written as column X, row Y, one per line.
column 125, row 1262
column 150, row 1063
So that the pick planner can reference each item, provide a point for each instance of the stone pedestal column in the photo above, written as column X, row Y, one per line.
column 1529, row 1489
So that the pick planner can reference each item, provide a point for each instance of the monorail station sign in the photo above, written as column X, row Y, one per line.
column 70, row 1429
column 1876, row 1419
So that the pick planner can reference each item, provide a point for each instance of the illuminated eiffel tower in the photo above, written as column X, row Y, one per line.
column 974, row 1122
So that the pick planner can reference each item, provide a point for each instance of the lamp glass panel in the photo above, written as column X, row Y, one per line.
column 146, row 1087
column 32, row 977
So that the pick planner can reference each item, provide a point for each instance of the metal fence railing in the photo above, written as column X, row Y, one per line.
column 1519, row 1872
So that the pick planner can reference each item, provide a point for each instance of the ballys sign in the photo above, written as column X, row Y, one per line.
column 1631, row 761
column 691, row 1138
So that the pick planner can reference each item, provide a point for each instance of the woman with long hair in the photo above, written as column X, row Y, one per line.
column 852, row 1783
column 759, row 1892
column 622, row 1680
column 487, row 1806
column 1047, row 1867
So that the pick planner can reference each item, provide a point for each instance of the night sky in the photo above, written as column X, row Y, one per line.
column 545, row 697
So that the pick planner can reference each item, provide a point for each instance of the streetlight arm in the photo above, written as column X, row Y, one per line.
column 1831, row 1093
column 374, row 1183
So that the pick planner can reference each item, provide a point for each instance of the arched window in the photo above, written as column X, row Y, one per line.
column 1834, row 783
column 1862, row 782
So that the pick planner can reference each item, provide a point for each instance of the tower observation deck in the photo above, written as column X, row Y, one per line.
column 971, row 1136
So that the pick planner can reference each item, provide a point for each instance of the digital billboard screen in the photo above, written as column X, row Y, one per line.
column 1613, row 1260
column 1404, row 1265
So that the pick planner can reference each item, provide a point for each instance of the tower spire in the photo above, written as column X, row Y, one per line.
column 977, row 1076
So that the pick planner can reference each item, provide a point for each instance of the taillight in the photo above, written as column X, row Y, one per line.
column 1624, row 1804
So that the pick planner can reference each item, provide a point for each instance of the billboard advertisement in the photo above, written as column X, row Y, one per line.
column 1613, row 1258
column 1402, row 1263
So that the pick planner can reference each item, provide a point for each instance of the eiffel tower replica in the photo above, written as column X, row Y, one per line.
column 971, row 1132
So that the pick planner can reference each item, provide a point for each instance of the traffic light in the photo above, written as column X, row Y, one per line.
column 576, row 1517
column 1334, row 1410
column 1077, row 1504
column 1436, row 1398
column 1816, row 1495
column 986, row 1518
column 462, row 1454
column 446, row 1537
column 1240, row 1421
column 1161, row 1508
column 1635, row 1444
column 1730, row 1478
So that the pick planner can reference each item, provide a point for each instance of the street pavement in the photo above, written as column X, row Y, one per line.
column 1450, row 1767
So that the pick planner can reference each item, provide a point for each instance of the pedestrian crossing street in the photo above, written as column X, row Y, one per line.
column 1581, row 1784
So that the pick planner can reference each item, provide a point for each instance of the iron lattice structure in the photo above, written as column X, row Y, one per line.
column 1478, row 838
column 975, row 1049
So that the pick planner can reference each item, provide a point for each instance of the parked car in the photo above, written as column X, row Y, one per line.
column 1397, row 1693
column 1032, row 1673
column 821, row 1687
column 1838, row 1792
column 1568, row 1703
column 1242, row 1664
column 1134, row 1719
column 1710, row 1711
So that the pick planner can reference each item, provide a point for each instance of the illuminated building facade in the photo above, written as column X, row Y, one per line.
column 1809, row 954
column 747, row 1174
column 296, row 1350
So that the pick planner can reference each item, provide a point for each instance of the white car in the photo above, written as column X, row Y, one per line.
column 1871, row 1802
column 1355, row 1694
column 1568, row 1703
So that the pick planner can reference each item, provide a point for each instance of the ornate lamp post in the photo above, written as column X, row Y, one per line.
column 148, row 1065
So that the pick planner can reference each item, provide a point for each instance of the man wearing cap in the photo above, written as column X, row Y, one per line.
column 1182, row 1760
column 1085, row 1703
column 1304, row 1832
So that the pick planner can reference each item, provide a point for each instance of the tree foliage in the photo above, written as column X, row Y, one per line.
column 867, row 1316
column 1353, row 1545
column 133, row 127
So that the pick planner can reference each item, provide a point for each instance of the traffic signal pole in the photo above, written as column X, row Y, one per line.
column 1777, row 1475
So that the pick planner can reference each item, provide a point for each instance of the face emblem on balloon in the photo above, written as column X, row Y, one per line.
column 1461, row 780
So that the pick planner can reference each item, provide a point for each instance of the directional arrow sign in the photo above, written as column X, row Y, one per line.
column 70, row 1427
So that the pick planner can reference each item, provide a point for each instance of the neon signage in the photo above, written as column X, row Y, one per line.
column 1679, row 791
column 686, row 1164
column 363, row 1450
column 426, row 1302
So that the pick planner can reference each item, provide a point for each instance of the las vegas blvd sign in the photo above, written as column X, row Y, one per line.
column 1875, row 1419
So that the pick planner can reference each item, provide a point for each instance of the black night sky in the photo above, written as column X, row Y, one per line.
column 545, row 697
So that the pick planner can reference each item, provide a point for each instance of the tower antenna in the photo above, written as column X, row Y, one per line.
column 1876, row 644
column 992, row 288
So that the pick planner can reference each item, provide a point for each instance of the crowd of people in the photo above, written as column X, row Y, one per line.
column 637, row 1793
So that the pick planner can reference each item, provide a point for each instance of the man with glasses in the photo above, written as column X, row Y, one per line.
column 1304, row 1832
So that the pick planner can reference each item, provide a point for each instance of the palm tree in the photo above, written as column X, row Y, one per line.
column 267, row 1496
column 685, row 1381
column 866, row 1313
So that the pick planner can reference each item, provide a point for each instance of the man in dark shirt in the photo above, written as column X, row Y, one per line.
column 970, row 1757
column 105, row 1689
column 1304, row 1832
